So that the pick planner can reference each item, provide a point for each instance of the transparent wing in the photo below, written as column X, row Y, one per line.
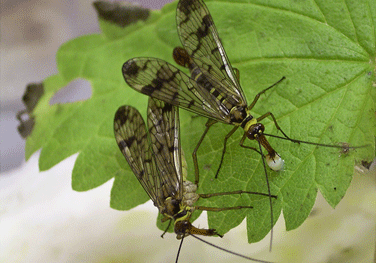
column 163, row 124
column 200, row 39
column 161, row 80
column 131, row 137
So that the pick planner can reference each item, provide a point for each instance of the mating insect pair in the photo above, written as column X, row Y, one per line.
column 154, row 155
column 212, row 90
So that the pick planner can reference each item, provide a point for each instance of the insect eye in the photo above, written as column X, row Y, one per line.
column 255, row 131
column 261, row 127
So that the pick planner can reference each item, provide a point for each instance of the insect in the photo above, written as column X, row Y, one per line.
column 212, row 90
column 158, row 165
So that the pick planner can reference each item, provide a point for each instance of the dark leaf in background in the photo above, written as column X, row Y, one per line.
column 33, row 93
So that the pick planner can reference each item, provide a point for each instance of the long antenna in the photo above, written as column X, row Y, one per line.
column 181, row 243
column 229, row 251
column 318, row 144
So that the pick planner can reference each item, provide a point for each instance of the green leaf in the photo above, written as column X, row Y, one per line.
column 328, row 96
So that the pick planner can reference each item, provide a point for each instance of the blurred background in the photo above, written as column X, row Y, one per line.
column 31, row 33
column 43, row 219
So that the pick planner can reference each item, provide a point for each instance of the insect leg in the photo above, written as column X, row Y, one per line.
column 241, row 143
column 208, row 124
column 261, row 92
column 276, row 125
column 164, row 232
column 224, row 149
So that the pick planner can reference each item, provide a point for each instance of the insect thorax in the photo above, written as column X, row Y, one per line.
column 239, row 115
column 171, row 207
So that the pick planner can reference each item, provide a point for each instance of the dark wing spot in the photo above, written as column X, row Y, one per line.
column 173, row 149
column 159, row 149
column 141, row 174
column 121, row 115
column 207, row 22
column 164, row 76
column 130, row 68
column 130, row 140
column 185, row 6
column 203, row 31
column 167, row 107
column 148, row 90
column 215, row 50
column 158, row 83
column 122, row 145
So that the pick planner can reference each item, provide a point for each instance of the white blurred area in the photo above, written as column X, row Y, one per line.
column 43, row 220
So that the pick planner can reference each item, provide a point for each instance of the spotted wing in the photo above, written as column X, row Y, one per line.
column 200, row 39
column 161, row 80
column 163, row 124
column 131, row 137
